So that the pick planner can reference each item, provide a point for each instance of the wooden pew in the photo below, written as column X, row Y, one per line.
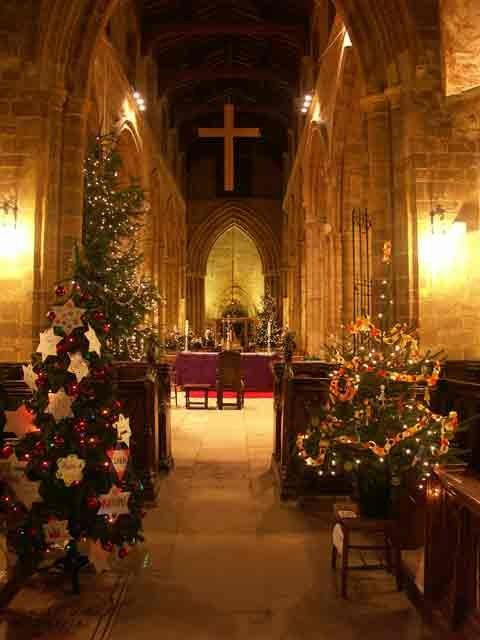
column 297, row 386
column 144, row 390
column 450, row 512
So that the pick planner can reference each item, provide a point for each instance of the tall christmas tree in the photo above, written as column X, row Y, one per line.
column 267, row 323
column 107, row 268
column 80, row 452
column 377, row 423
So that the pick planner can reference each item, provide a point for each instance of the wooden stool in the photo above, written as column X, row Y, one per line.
column 204, row 388
column 350, row 524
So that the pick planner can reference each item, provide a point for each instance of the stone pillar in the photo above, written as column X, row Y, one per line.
column 74, row 149
column 377, row 109
column 405, row 278
column 196, row 301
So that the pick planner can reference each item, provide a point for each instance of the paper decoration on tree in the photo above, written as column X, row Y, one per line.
column 48, row 343
column 122, row 425
column 12, row 471
column 56, row 533
column 20, row 421
column 70, row 469
column 59, row 405
column 94, row 344
column 68, row 316
column 78, row 366
column 114, row 503
column 119, row 458
column 30, row 377
column 5, row 565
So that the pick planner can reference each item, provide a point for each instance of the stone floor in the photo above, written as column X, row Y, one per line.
column 226, row 560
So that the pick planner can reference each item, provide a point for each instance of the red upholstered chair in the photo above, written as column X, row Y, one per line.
column 229, row 378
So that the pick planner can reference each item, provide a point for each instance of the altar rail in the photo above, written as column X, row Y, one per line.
column 296, row 386
column 144, row 390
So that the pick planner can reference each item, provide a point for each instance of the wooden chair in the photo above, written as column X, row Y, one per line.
column 229, row 378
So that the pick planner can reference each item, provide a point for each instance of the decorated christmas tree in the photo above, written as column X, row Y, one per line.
column 267, row 323
column 107, row 268
column 79, row 455
column 377, row 423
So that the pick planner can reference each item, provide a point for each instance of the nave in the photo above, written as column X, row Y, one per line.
column 226, row 559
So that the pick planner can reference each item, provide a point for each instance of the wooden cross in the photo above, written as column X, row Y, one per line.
column 229, row 133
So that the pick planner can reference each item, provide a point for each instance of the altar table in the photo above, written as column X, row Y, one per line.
column 201, row 368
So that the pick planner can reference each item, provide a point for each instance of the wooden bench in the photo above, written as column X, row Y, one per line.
column 202, row 388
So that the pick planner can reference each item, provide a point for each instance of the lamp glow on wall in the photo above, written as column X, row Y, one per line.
column 13, row 236
column 443, row 247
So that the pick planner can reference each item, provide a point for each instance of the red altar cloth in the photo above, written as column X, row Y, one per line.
column 201, row 368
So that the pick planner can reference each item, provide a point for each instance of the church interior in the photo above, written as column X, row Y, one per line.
column 239, row 327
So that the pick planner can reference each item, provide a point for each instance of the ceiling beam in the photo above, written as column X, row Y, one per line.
column 295, row 32
column 270, row 111
column 207, row 73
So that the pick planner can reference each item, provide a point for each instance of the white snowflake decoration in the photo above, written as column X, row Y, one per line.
column 30, row 377
column 94, row 344
column 59, row 405
column 114, row 503
column 48, row 343
column 68, row 316
column 122, row 425
column 78, row 366
column 70, row 469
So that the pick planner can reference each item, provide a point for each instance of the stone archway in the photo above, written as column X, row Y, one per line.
column 250, row 222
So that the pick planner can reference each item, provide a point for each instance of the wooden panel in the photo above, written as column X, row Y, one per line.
column 452, row 581
column 294, row 394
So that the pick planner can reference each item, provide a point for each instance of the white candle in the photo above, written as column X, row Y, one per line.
column 186, row 335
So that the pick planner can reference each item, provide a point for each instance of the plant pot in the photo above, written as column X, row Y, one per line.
column 373, row 492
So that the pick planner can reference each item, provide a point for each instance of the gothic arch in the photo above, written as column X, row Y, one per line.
column 206, row 234
column 219, row 221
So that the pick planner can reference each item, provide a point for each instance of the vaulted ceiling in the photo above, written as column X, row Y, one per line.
column 244, row 51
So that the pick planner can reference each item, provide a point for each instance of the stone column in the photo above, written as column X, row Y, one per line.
column 405, row 286
column 48, row 247
column 377, row 109
column 72, row 177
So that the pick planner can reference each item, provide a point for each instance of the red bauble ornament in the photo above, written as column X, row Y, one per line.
column 7, row 451
column 99, row 316
column 117, row 404
column 106, row 327
column 108, row 546
column 93, row 503
column 62, row 347
column 51, row 315
column 122, row 553
column 85, row 297
column 59, row 441
column 45, row 465
column 60, row 291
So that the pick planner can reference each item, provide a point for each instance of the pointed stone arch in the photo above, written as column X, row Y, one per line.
column 222, row 218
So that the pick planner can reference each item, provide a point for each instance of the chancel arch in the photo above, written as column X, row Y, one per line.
column 249, row 222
